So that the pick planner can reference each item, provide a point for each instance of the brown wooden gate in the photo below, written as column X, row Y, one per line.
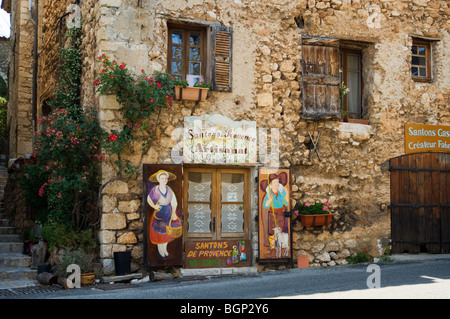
column 420, row 203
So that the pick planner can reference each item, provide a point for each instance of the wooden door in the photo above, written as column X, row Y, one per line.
column 217, row 217
column 420, row 203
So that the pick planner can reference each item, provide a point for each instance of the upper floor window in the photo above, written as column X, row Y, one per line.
column 186, row 54
column 201, row 52
column 351, row 76
column 421, row 60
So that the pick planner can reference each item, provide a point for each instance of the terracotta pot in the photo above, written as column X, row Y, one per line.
column 87, row 279
column 316, row 220
column 190, row 93
column 302, row 261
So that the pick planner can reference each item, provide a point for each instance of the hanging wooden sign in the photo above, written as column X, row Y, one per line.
column 426, row 138
column 163, row 215
column 274, row 214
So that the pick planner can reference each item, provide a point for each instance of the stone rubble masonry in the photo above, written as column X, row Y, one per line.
column 267, row 89
column 352, row 174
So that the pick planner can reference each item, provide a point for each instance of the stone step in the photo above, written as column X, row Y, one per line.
column 11, row 238
column 7, row 230
column 17, row 273
column 11, row 247
column 15, row 260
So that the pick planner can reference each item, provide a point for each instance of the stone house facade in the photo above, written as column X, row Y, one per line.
column 285, row 63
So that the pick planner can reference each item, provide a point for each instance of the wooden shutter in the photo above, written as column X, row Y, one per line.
column 320, row 78
column 222, row 45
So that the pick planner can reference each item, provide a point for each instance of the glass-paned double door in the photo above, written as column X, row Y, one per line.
column 216, row 203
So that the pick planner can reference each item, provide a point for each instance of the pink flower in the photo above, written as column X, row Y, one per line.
column 158, row 84
column 325, row 209
column 41, row 190
column 307, row 205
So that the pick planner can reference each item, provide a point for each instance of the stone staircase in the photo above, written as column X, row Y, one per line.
column 15, row 268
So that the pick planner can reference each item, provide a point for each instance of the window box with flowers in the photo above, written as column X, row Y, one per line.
column 317, row 214
column 198, row 92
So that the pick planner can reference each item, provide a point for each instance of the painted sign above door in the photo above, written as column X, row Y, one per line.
column 426, row 138
column 216, row 139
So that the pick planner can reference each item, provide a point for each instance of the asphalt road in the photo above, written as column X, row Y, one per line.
column 404, row 280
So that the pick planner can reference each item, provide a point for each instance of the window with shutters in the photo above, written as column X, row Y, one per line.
column 320, row 78
column 186, row 54
column 201, row 50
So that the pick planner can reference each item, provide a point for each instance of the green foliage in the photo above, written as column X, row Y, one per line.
column 59, row 235
column 67, row 95
column 63, row 184
column 3, row 88
column 360, row 257
column 139, row 96
column 78, row 257
column 314, row 209
column 202, row 85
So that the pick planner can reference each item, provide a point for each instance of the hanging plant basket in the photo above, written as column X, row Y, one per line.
column 316, row 220
column 190, row 93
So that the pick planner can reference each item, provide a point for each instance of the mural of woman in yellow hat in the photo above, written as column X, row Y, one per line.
column 165, row 225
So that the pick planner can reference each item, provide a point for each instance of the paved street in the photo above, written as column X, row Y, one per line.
column 428, row 278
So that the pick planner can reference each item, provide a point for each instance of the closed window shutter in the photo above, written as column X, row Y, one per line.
column 222, row 44
column 320, row 78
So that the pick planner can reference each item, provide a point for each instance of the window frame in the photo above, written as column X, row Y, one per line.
column 204, row 57
column 428, row 48
column 343, row 53
column 216, row 203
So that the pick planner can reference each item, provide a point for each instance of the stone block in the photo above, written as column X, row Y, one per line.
column 106, row 237
column 116, row 187
column 127, row 238
column 129, row 206
column 113, row 221
column 265, row 100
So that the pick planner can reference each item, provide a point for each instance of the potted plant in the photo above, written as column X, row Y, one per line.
column 343, row 90
column 198, row 92
column 85, row 260
column 317, row 214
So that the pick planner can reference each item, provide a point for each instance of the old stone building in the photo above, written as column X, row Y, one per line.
column 276, row 64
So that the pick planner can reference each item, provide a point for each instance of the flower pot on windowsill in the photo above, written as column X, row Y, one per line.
column 316, row 220
column 190, row 93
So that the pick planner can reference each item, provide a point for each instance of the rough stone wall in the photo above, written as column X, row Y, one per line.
column 4, row 58
column 52, row 27
column 352, row 174
column 20, row 81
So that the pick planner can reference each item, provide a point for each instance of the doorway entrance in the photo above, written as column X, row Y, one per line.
column 420, row 203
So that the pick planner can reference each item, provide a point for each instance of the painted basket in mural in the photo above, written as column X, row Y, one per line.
column 316, row 220
column 190, row 93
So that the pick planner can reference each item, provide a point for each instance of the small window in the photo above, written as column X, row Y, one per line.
column 187, row 56
column 351, row 76
column 216, row 203
column 420, row 60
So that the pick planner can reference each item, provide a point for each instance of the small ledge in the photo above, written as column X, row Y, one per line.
column 356, row 128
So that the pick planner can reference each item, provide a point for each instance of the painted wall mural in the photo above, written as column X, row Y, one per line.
column 163, row 215
column 274, row 208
